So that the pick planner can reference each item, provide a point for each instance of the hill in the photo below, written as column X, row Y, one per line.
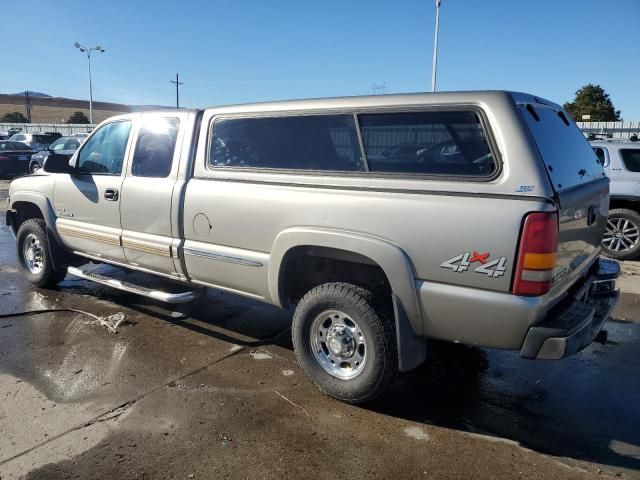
column 46, row 109
column 33, row 94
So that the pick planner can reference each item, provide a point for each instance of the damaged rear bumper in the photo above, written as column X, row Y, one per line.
column 575, row 323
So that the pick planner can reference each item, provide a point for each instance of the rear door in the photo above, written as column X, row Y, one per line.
column 580, row 185
column 87, row 202
column 149, row 235
column 625, row 173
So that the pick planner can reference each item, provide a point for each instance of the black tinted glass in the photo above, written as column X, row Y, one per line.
column 568, row 156
column 44, row 138
column 600, row 154
column 156, row 143
column 631, row 158
column 428, row 143
column 316, row 142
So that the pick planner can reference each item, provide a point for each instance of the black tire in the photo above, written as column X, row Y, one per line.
column 47, row 276
column 381, row 364
column 34, row 167
column 632, row 232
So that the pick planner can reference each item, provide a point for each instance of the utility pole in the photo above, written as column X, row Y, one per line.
column 379, row 87
column 27, row 102
column 177, row 83
column 88, row 51
column 435, row 48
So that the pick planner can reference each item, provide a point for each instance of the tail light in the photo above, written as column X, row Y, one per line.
column 537, row 254
column 2, row 157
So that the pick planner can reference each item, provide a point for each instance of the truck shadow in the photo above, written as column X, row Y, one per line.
column 584, row 407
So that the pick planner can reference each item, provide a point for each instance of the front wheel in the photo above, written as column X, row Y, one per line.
column 35, row 256
column 343, row 344
column 622, row 235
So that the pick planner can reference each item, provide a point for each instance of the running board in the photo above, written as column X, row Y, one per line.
column 182, row 297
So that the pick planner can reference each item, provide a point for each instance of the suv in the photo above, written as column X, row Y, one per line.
column 486, row 230
column 621, row 162
column 37, row 141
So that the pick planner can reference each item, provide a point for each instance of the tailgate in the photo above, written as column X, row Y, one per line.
column 580, row 185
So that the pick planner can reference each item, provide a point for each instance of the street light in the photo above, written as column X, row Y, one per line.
column 88, row 51
column 435, row 48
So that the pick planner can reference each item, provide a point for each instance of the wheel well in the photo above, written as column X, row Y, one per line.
column 305, row 267
column 623, row 203
column 26, row 211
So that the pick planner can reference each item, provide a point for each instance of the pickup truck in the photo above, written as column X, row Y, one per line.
column 381, row 222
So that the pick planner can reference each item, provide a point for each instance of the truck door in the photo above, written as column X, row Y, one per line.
column 87, row 202
column 149, row 214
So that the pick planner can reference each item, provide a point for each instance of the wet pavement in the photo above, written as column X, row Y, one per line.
column 216, row 392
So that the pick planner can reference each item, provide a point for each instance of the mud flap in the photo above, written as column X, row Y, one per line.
column 412, row 349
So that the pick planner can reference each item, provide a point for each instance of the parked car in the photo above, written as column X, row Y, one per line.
column 80, row 135
column 37, row 141
column 62, row 146
column 14, row 130
column 14, row 158
column 4, row 135
column 621, row 162
column 290, row 203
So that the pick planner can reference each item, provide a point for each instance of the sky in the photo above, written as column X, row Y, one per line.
column 239, row 51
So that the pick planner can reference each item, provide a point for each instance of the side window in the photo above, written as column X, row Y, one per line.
column 153, row 156
column 104, row 152
column 631, row 158
column 72, row 144
column 602, row 156
column 57, row 145
column 427, row 143
column 313, row 142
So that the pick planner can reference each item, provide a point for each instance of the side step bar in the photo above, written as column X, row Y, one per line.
column 181, row 297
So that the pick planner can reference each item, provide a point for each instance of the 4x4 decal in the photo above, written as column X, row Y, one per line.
column 461, row 263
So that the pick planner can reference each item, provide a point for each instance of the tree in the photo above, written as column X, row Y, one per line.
column 14, row 117
column 78, row 117
column 592, row 100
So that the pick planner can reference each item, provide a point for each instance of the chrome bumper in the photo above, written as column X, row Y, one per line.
column 577, row 321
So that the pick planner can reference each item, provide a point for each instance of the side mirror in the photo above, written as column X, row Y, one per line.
column 56, row 163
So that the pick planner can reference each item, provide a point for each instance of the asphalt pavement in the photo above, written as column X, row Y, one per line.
column 214, row 391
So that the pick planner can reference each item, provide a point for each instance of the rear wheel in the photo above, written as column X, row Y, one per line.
column 345, row 346
column 35, row 258
column 622, row 235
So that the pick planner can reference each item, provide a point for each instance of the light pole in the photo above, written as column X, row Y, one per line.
column 435, row 48
column 88, row 51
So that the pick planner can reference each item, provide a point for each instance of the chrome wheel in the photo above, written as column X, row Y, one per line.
column 338, row 344
column 621, row 234
column 33, row 254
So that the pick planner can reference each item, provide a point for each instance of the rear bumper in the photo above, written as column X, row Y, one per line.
column 573, row 324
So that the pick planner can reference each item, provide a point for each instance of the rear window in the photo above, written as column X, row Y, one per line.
column 569, row 158
column 45, row 138
column 631, row 158
column 314, row 142
column 427, row 143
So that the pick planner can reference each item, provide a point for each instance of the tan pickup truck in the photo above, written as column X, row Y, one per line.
column 382, row 222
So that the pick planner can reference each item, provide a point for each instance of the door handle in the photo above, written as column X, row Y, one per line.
column 111, row 194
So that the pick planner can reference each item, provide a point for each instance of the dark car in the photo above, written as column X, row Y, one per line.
column 63, row 146
column 14, row 158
